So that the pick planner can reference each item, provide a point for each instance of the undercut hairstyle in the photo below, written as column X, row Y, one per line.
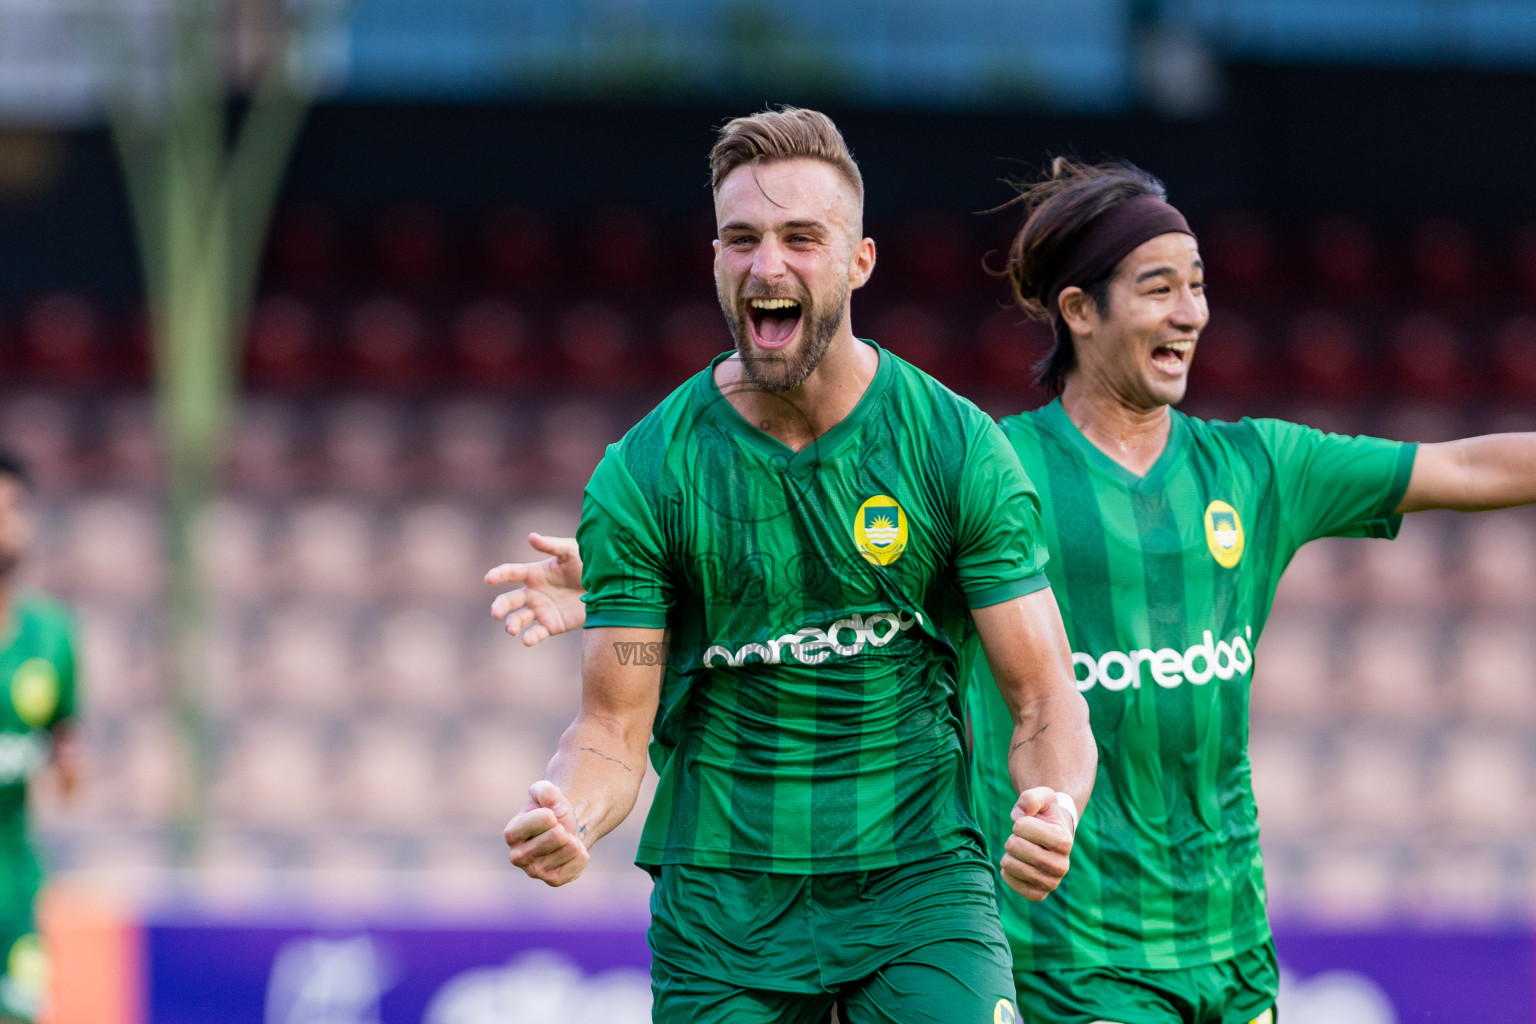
column 13, row 466
column 785, row 133
column 1057, row 211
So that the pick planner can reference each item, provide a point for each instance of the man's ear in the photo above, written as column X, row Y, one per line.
column 863, row 263
column 1074, row 305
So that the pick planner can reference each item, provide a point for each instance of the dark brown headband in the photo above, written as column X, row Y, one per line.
column 1109, row 238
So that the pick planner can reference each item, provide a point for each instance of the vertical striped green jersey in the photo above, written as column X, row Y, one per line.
column 810, row 716
column 1164, row 583
column 37, row 692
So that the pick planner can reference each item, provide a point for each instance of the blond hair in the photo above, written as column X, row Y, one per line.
column 788, row 133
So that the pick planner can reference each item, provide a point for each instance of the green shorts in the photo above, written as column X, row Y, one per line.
column 1236, row 991
column 906, row 945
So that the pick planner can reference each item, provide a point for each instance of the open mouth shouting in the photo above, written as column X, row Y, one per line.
column 774, row 321
column 1172, row 357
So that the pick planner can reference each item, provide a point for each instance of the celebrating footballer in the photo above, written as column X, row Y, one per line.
column 1166, row 537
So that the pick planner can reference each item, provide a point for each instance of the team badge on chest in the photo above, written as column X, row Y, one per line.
column 35, row 691
column 880, row 530
column 1224, row 534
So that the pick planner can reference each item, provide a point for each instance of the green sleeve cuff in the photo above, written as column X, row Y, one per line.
column 1388, row 521
column 1006, row 591
column 625, row 617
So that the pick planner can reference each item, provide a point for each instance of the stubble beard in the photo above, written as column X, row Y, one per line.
column 785, row 371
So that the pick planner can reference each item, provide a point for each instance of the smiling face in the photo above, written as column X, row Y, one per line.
column 788, row 254
column 1140, row 348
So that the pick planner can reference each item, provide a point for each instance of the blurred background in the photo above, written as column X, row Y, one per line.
column 475, row 250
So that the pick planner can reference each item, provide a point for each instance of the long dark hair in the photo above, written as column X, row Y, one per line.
column 1057, row 209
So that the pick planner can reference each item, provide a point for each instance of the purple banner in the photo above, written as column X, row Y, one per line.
column 241, row 973
column 1398, row 977
column 201, row 972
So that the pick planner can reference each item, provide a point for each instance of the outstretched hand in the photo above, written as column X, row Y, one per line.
column 545, row 839
column 1039, row 851
column 550, row 599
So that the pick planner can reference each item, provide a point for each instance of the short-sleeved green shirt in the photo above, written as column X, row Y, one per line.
column 37, row 682
column 1164, row 583
column 810, row 717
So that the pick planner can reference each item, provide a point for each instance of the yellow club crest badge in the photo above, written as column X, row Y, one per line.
column 35, row 691
column 880, row 530
column 1224, row 534
column 1004, row 1013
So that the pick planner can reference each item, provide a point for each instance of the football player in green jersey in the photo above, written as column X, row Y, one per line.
column 1167, row 536
column 37, row 680
column 781, row 560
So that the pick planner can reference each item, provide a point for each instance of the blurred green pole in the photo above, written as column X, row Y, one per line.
column 201, row 206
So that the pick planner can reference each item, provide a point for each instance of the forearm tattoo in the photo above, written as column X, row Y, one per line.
column 607, row 757
column 1031, row 739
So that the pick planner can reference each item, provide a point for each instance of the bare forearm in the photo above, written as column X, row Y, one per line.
column 599, row 770
column 1053, row 746
column 1474, row 474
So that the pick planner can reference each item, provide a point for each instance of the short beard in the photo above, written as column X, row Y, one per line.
column 784, row 372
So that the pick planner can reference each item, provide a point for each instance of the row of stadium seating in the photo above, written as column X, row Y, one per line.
column 387, row 343
column 426, row 251
column 475, row 452
column 321, row 546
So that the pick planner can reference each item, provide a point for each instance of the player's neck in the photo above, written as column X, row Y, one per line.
column 801, row 415
column 1133, row 436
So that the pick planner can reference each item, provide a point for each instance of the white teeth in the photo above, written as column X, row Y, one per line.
column 775, row 304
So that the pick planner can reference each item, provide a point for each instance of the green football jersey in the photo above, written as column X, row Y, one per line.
column 810, row 718
column 1164, row 583
column 37, row 679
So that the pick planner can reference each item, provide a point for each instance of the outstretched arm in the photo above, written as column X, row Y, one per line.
column 593, row 780
column 1474, row 474
column 1052, row 753
column 549, row 602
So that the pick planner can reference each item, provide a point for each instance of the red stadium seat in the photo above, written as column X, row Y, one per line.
column 1515, row 358
column 621, row 247
column 411, row 245
column 936, row 252
column 283, row 348
column 385, row 342
column 469, row 447
column 1325, row 356
column 1009, row 345
column 1239, row 252
column 1444, row 258
column 1344, row 253
column 490, row 344
column 307, row 247
column 1522, row 252
column 595, row 339
column 516, row 244
column 62, row 338
column 1428, row 357
column 1226, row 360
column 692, row 335
column 916, row 333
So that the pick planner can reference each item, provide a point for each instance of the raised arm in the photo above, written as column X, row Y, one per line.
column 593, row 780
column 1474, row 474
column 549, row 602
column 1052, row 752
